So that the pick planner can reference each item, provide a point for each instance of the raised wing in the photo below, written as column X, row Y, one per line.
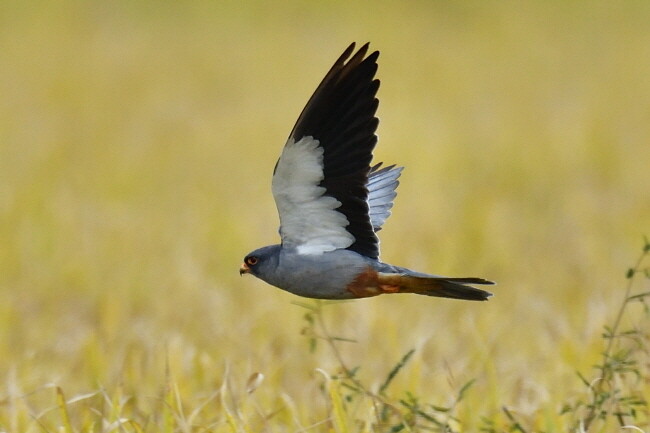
column 382, row 183
column 320, row 180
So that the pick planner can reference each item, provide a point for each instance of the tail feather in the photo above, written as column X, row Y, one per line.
column 455, row 288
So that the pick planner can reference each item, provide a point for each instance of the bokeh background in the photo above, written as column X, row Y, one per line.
column 137, row 142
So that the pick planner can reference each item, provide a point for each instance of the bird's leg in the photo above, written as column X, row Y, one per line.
column 389, row 288
column 390, row 283
column 372, row 283
column 365, row 284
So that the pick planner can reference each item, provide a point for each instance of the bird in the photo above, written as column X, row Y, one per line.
column 332, row 202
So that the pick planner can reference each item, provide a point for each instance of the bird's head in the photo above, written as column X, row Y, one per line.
column 261, row 261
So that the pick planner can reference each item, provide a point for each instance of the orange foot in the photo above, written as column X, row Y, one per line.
column 389, row 288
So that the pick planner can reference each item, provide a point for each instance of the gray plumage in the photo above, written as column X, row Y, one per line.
column 331, row 202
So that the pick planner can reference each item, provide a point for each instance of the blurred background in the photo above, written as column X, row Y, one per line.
column 137, row 142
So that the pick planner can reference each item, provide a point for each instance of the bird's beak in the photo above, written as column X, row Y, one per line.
column 244, row 269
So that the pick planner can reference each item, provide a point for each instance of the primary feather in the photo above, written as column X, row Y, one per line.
column 333, row 138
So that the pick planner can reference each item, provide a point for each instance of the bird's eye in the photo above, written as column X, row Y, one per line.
column 252, row 260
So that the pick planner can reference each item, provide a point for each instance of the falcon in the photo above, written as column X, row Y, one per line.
column 332, row 202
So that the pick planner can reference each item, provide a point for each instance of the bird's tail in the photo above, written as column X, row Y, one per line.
column 442, row 287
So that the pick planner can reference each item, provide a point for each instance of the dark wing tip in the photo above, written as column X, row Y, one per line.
column 350, row 68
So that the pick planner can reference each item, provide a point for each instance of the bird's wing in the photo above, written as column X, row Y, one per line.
column 382, row 183
column 320, row 180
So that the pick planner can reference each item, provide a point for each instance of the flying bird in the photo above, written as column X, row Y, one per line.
column 332, row 202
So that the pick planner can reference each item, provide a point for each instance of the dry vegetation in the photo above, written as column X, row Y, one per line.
column 136, row 146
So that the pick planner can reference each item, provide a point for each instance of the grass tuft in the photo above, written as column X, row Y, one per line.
column 611, row 401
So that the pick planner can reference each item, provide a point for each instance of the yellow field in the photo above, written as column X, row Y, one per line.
column 137, row 141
